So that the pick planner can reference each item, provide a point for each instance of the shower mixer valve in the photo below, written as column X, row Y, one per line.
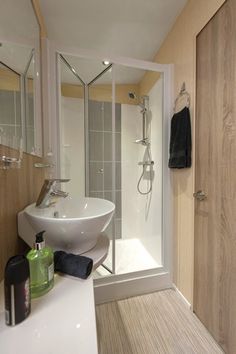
column 146, row 163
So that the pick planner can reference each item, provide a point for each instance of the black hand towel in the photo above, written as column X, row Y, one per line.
column 76, row 265
column 180, row 140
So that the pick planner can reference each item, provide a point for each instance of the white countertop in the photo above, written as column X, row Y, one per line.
column 61, row 322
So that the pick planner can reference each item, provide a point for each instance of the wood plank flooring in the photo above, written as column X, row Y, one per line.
column 150, row 324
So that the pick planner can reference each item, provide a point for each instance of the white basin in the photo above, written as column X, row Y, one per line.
column 72, row 224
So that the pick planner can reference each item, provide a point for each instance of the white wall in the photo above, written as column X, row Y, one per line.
column 142, row 215
column 131, row 129
column 72, row 145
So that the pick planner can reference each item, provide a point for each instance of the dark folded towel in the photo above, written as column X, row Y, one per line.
column 180, row 140
column 76, row 265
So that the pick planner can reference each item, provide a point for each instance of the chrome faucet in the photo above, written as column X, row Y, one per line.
column 49, row 191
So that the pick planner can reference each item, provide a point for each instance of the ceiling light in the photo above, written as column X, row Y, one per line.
column 106, row 62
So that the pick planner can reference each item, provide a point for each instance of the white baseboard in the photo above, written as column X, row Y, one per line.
column 117, row 290
column 187, row 303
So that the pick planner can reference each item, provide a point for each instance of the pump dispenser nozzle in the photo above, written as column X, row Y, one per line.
column 39, row 241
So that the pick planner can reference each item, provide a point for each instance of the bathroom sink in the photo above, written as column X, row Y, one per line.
column 72, row 224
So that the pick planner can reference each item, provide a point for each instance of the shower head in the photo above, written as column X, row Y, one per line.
column 132, row 95
column 142, row 100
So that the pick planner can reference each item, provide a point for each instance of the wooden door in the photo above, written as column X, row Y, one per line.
column 215, row 216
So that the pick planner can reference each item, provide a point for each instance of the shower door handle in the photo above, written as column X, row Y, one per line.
column 200, row 195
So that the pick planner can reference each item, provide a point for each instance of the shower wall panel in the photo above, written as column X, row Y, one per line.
column 142, row 214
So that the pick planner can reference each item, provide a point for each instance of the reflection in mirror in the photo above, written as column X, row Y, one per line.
column 17, row 95
column 20, row 51
column 10, row 106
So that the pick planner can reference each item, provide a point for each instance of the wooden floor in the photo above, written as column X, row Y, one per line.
column 153, row 323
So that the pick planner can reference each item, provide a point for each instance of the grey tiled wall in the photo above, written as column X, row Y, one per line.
column 100, row 156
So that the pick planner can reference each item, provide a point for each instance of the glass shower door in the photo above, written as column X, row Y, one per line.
column 140, row 94
column 100, row 146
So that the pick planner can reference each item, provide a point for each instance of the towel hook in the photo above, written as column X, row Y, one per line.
column 183, row 88
column 182, row 93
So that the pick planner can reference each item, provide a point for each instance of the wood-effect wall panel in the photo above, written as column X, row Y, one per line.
column 18, row 188
column 215, row 174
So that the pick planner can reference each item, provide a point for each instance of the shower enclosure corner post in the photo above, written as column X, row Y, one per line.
column 167, row 219
column 57, row 133
column 51, row 107
column 86, row 137
column 113, row 166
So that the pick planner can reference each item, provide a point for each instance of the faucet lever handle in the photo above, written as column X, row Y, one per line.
column 57, row 180
column 47, row 188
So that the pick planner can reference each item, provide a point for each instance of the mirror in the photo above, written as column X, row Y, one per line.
column 10, row 106
column 20, row 91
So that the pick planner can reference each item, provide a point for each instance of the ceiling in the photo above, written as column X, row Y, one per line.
column 17, row 21
column 131, row 28
column 19, row 31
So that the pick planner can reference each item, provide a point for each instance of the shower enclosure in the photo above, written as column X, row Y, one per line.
column 113, row 133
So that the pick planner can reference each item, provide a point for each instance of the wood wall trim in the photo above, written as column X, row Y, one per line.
column 40, row 19
column 102, row 92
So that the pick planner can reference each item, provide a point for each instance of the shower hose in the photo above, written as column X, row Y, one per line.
column 150, row 163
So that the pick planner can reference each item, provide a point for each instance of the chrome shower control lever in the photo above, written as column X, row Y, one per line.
column 146, row 163
column 200, row 195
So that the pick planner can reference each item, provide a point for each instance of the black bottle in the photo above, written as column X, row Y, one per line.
column 17, row 290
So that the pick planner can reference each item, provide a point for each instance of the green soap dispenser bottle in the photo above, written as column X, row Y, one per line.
column 41, row 267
